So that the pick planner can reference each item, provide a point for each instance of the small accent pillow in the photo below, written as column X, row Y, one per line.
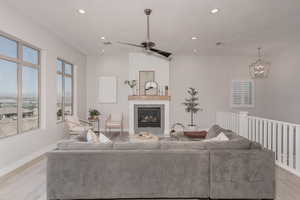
column 220, row 138
column 103, row 138
column 92, row 137
column 213, row 131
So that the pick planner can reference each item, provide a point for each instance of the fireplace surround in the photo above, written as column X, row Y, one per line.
column 150, row 101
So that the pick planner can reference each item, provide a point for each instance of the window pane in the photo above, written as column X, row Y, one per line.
column 30, row 55
column 59, row 103
column 59, row 66
column 68, row 96
column 68, row 69
column 30, row 97
column 8, row 98
column 8, row 47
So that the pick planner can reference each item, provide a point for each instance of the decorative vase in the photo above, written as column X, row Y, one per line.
column 132, row 91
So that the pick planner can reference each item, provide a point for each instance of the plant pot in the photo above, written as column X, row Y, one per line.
column 93, row 117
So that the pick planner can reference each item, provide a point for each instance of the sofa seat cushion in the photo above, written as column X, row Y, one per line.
column 165, row 145
column 76, row 145
column 136, row 145
column 236, row 142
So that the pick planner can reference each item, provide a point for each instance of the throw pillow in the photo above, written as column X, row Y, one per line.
column 82, row 136
column 213, row 131
column 92, row 137
column 103, row 138
column 220, row 138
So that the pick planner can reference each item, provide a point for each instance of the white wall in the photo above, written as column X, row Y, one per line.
column 108, row 65
column 15, row 148
column 144, row 62
column 281, row 89
column 212, row 76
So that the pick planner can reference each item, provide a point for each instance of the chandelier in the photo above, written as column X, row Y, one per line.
column 260, row 68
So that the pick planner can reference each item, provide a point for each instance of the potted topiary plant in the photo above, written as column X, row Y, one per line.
column 131, row 84
column 94, row 113
column 192, row 106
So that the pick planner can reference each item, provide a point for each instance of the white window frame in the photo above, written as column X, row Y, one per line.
column 243, row 105
column 20, row 63
column 63, row 86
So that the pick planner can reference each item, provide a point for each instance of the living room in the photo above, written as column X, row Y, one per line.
column 169, row 73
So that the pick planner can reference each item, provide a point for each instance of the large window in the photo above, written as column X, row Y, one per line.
column 64, row 78
column 19, row 86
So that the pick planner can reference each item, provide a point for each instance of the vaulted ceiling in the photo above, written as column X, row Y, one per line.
column 241, row 25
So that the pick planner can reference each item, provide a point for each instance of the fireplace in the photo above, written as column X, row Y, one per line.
column 149, row 117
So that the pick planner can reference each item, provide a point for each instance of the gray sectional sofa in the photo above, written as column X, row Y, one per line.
column 234, row 169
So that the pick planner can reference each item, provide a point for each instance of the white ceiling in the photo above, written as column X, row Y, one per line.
column 242, row 25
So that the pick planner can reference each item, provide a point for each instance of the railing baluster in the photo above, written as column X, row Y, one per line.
column 279, row 143
column 257, row 130
column 269, row 135
column 284, row 144
column 274, row 138
column 261, row 132
column 297, row 148
column 265, row 133
column 291, row 146
column 252, row 129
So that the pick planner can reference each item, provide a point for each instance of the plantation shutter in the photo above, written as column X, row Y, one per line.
column 242, row 93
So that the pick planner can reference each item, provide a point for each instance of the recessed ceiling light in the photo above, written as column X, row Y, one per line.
column 81, row 11
column 214, row 11
column 102, row 38
column 194, row 38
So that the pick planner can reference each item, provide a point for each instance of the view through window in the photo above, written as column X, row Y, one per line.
column 64, row 78
column 19, row 86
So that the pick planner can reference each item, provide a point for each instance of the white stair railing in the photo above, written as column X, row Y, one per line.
column 280, row 137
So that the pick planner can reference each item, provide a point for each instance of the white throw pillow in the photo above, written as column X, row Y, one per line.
column 219, row 138
column 91, row 137
column 103, row 138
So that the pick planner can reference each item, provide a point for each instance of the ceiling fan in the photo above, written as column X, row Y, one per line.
column 148, row 44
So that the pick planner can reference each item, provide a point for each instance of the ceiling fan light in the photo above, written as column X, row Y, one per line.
column 214, row 11
column 81, row 11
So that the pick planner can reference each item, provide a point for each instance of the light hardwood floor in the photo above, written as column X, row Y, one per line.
column 30, row 184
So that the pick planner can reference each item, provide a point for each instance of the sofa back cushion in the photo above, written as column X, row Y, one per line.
column 255, row 145
column 168, row 145
column 77, row 145
column 136, row 145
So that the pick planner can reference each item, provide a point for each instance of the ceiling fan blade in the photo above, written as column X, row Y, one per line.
column 131, row 44
column 163, row 53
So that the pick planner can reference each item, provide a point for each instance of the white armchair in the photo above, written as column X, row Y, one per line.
column 76, row 126
column 114, row 121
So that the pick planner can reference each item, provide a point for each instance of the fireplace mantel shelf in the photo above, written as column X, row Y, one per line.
column 144, row 98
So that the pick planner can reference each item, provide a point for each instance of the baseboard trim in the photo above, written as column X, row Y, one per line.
column 23, row 163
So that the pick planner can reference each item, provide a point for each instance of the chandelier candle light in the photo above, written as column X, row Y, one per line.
column 260, row 68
